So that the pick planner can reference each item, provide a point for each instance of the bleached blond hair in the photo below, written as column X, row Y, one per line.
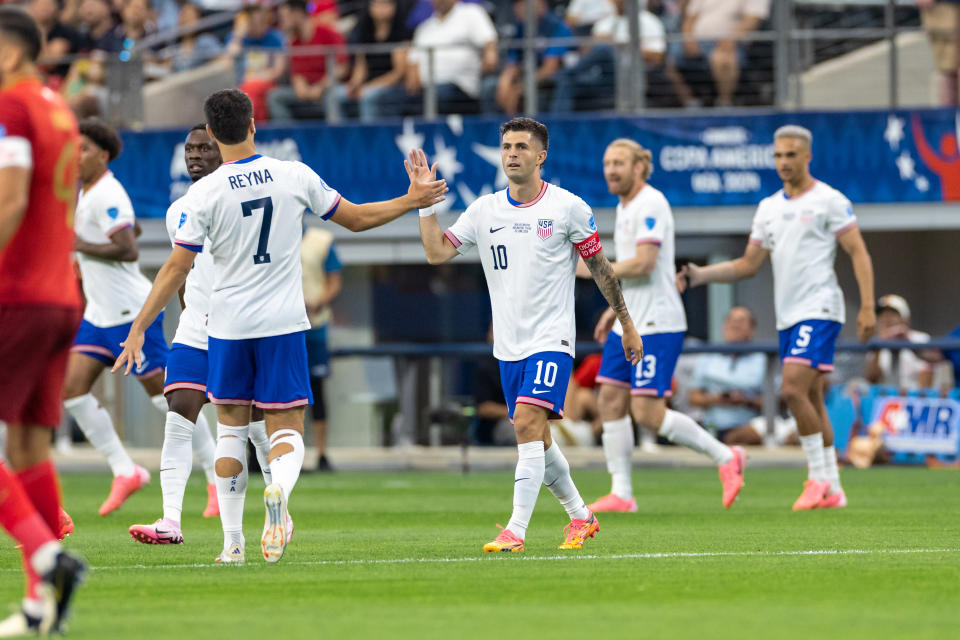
column 794, row 131
column 638, row 153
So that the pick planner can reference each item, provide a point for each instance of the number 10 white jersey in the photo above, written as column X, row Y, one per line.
column 529, row 257
column 251, row 213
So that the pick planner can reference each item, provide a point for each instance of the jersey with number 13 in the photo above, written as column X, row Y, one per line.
column 251, row 211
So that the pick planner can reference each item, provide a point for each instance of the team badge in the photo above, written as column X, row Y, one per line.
column 183, row 218
column 544, row 228
column 651, row 223
column 113, row 212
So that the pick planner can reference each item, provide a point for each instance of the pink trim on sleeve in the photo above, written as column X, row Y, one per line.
column 119, row 227
column 454, row 240
column 649, row 241
column 848, row 227
column 755, row 241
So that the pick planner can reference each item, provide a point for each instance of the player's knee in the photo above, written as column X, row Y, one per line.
column 228, row 467
column 528, row 424
column 793, row 390
column 613, row 402
column 184, row 406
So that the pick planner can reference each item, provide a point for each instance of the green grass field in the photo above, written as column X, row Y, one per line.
column 397, row 555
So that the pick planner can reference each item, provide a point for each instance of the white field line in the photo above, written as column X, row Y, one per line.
column 552, row 558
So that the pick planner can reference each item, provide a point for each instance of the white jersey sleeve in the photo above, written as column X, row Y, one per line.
column 840, row 218
column 192, row 327
column 652, row 228
column 192, row 228
column 115, row 290
column 757, row 235
column 582, row 228
column 319, row 198
column 463, row 233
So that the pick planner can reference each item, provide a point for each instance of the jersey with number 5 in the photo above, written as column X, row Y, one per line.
column 529, row 257
column 251, row 212
column 38, row 133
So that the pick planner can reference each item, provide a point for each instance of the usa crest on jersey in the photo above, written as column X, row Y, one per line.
column 544, row 228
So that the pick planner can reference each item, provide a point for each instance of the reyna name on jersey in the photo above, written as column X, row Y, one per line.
column 243, row 180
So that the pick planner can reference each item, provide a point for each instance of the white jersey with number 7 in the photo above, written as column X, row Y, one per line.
column 251, row 211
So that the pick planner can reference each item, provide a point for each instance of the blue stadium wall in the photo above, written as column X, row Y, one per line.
column 871, row 156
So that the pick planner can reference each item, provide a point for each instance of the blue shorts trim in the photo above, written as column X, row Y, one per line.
column 540, row 380
column 186, row 369
column 269, row 372
column 103, row 344
column 810, row 342
column 653, row 375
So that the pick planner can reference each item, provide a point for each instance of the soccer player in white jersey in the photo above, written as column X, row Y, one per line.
column 644, row 242
column 529, row 236
column 186, row 432
column 115, row 289
column 250, row 212
column 799, row 227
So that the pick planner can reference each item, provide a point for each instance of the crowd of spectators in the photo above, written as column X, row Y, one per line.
column 280, row 50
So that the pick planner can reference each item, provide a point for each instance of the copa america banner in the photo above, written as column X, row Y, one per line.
column 871, row 156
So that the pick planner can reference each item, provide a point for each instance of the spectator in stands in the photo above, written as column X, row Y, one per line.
column 583, row 14
column 309, row 76
column 136, row 23
column 591, row 82
column 713, row 30
column 941, row 21
column 59, row 40
column 464, row 44
column 914, row 371
column 508, row 87
column 167, row 13
column 418, row 11
column 324, row 12
column 256, row 49
column 194, row 49
column 375, row 73
column 730, row 386
column 97, row 23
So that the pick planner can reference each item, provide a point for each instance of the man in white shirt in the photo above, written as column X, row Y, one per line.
column 185, row 384
column 250, row 211
column 644, row 239
column 799, row 228
column 115, row 289
column 526, row 236
column 464, row 44
column 591, row 82
column 912, row 371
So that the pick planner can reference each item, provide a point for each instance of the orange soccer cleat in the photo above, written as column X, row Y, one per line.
column 731, row 475
column 612, row 503
column 123, row 487
column 578, row 531
column 813, row 493
column 505, row 542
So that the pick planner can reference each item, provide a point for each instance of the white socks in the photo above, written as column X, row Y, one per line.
column 556, row 475
column 261, row 444
column 681, row 429
column 176, row 458
column 618, row 446
column 231, row 491
column 830, row 464
column 204, row 448
column 816, row 460
column 160, row 402
column 526, row 486
column 97, row 427
column 285, row 468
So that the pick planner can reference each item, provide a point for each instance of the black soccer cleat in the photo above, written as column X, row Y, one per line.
column 67, row 574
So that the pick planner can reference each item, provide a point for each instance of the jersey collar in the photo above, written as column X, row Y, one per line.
column 802, row 193
column 523, row 205
column 245, row 160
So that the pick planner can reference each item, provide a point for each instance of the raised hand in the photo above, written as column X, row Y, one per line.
column 132, row 353
column 425, row 189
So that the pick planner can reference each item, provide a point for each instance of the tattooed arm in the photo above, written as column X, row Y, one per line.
column 609, row 286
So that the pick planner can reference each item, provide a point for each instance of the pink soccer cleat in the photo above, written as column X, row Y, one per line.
column 66, row 525
column 163, row 531
column 123, row 487
column 731, row 475
column 612, row 503
column 213, row 507
column 813, row 493
column 836, row 500
column 505, row 542
column 578, row 531
column 289, row 528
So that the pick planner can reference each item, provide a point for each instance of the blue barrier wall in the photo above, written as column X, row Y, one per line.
column 872, row 156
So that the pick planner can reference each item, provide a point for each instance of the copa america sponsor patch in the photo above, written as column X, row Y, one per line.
column 544, row 228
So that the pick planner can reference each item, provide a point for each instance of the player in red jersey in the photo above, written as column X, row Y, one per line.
column 39, row 314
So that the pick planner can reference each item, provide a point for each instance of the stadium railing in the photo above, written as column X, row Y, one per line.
column 408, row 354
column 784, row 63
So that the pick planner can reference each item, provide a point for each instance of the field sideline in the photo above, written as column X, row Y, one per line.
column 398, row 554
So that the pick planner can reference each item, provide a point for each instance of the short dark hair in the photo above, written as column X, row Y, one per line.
column 102, row 135
column 23, row 28
column 228, row 114
column 200, row 126
column 537, row 129
column 299, row 5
